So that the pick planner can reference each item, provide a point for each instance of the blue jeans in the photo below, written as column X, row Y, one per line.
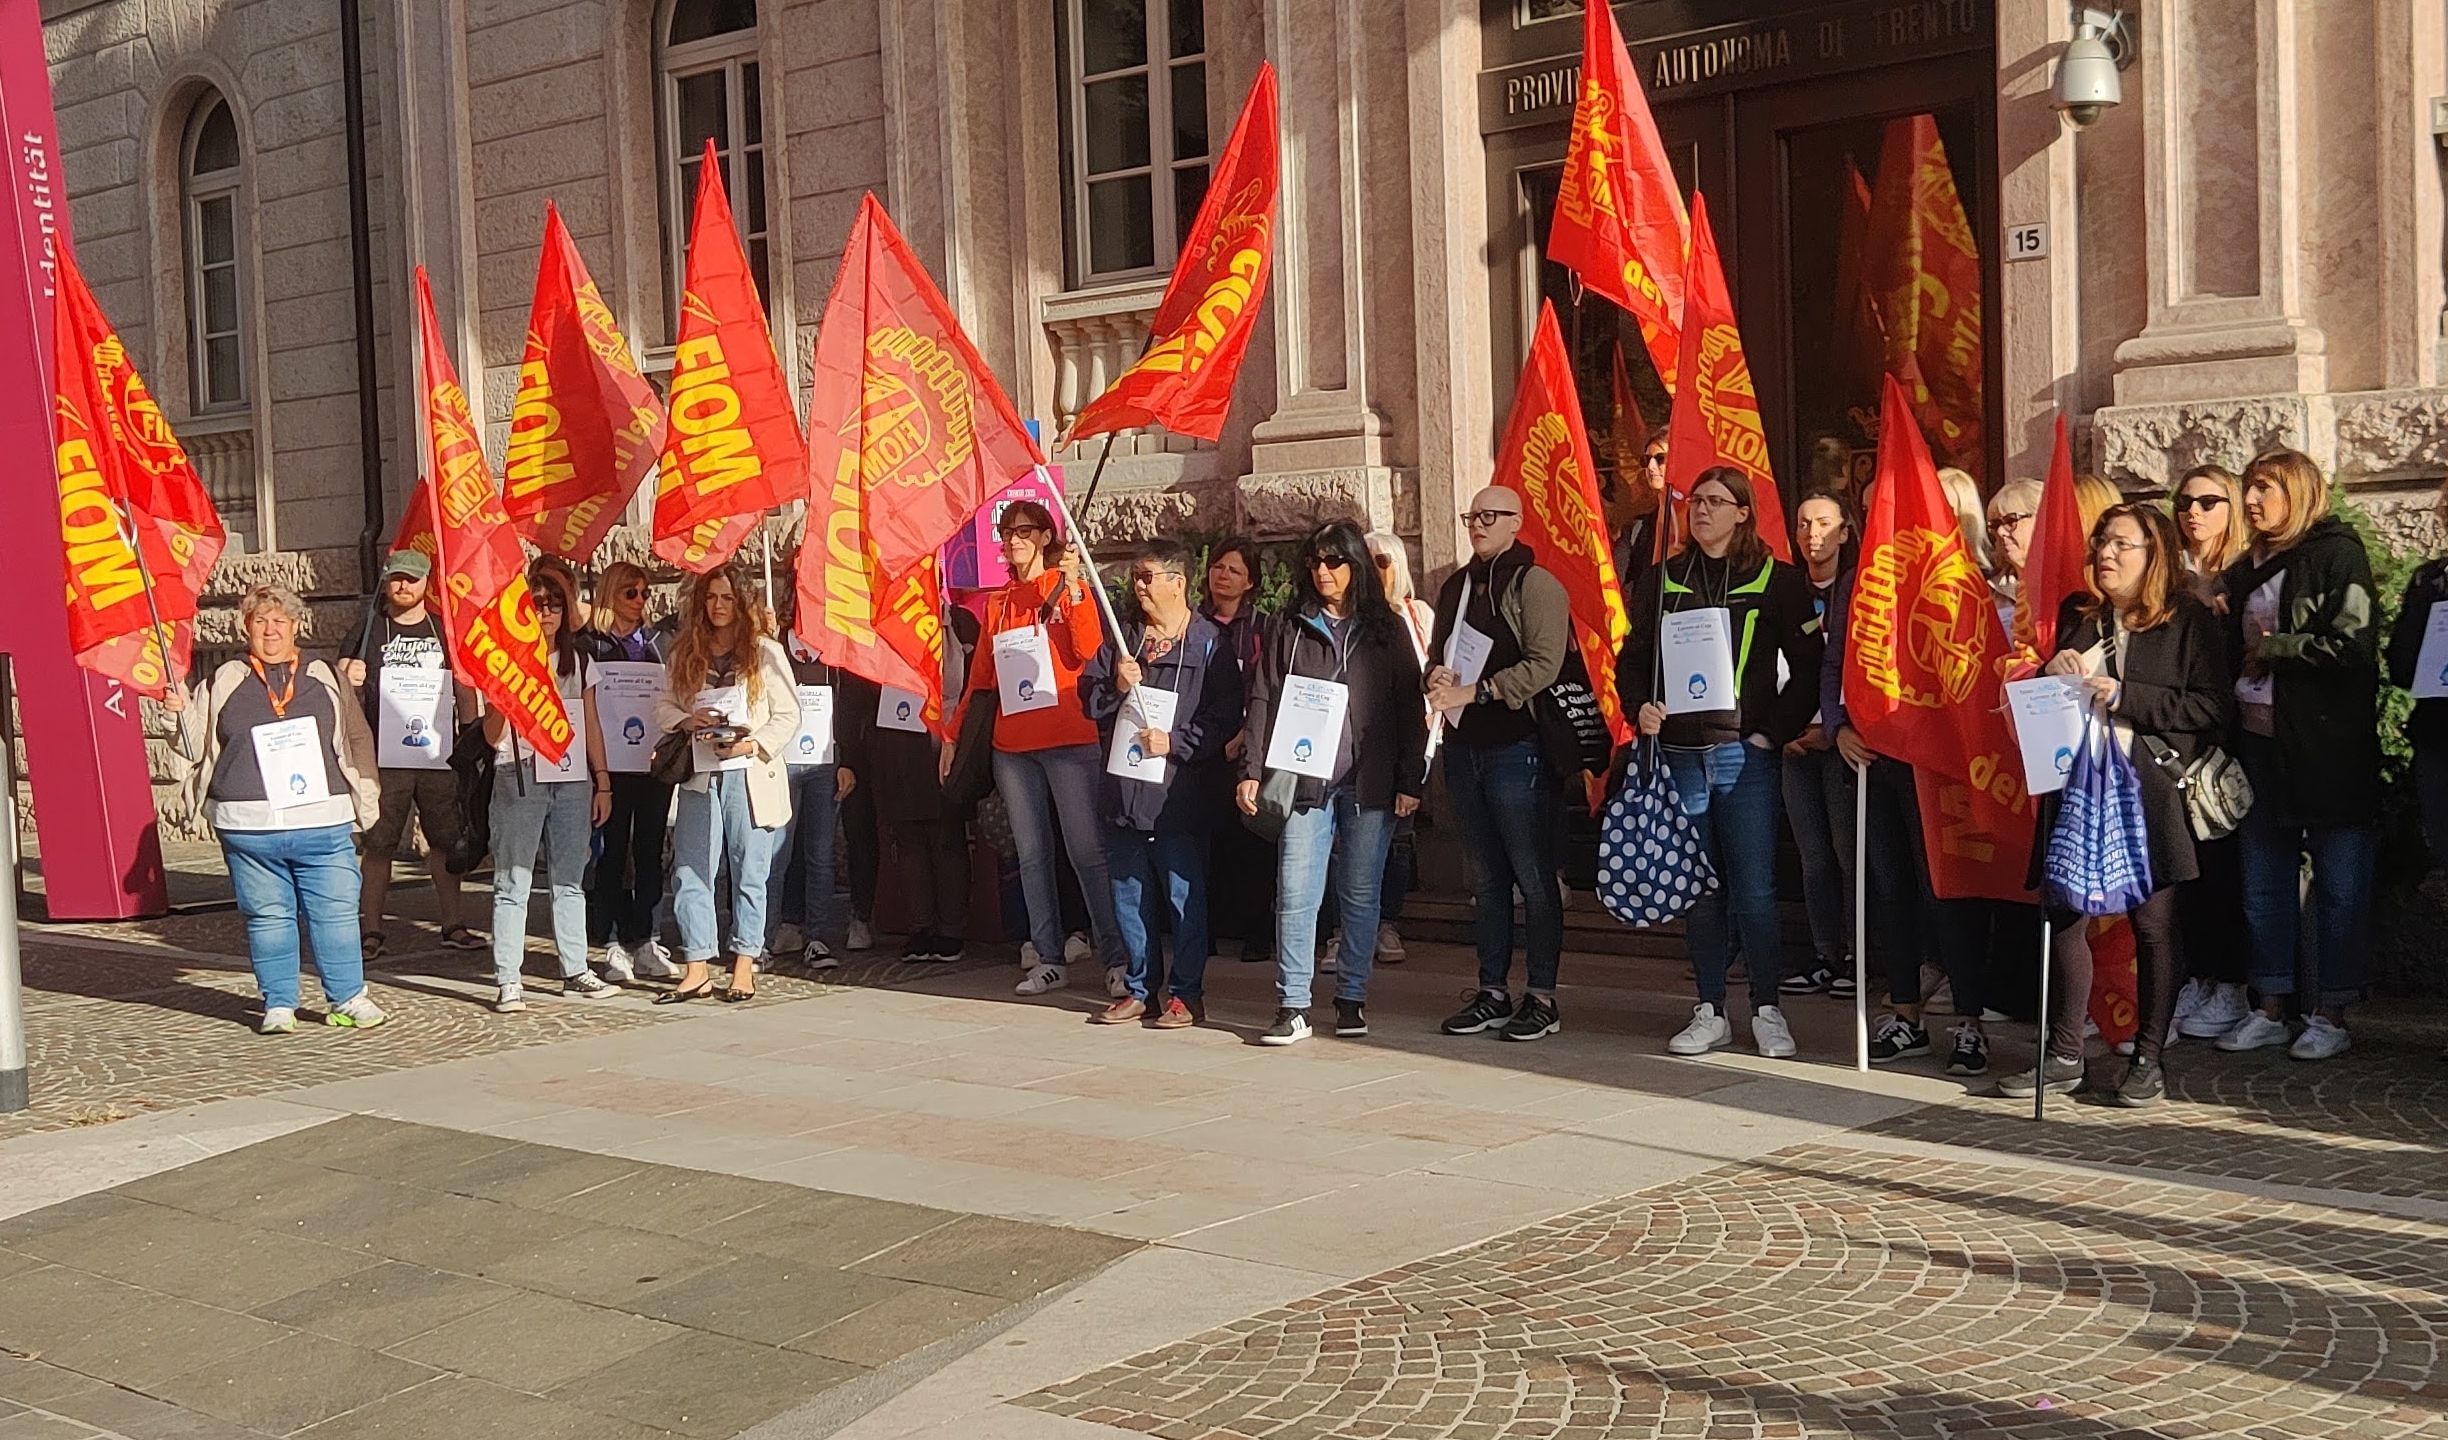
column 2345, row 859
column 1309, row 843
column 1506, row 806
column 804, row 895
column 1819, row 805
column 1037, row 786
column 278, row 875
column 715, row 832
column 1731, row 794
column 1140, row 859
column 556, row 817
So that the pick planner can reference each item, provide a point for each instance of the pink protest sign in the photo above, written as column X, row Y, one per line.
column 1040, row 485
column 101, row 845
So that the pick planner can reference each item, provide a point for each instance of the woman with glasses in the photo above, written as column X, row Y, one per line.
column 1042, row 628
column 2152, row 667
column 2209, row 508
column 538, row 804
column 2007, row 537
column 1340, row 641
column 729, row 688
column 1724, row 749
column 629, row 873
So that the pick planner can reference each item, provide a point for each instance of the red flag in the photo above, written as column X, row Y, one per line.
column 733, row 449
column 1619, row 221
column 1716, row 418
column 488, row 618
column 1921, row 670
column 2115, row 1004
column 1202, row 327
column 139, row 533
column 1630, row 430
column 2059, row 562
column 586, row 427
column 1923, row 266
column 906, row 423
column 1545, row 458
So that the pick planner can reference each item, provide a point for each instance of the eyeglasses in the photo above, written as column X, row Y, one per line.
column 1150, row 577
column 1014, row 532
column 631, row 592
column 1330, row 562
column 2199, row 502
column 2114, row 545
column 1714, row 502
column 1485, row 517
column 546, row 602
column 2004, row 523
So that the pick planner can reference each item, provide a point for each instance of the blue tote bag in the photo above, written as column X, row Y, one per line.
column 2099, row 852
column 1651, row 867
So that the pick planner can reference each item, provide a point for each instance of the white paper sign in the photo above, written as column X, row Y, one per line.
column 1308, row 734
column 1145, row 708
column 2431, row 667
column 901, row 710
column 625, row 693
column 573, row 760
column 289, row 755
column 2048, row 724
column 730, row 702
column 1024, row 670
column 1696, row 655
column 412, row 718
column 813, row 745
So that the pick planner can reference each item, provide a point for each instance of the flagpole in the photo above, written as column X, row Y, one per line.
column 144, row 573
column 2040, row 1063
column 1113, row 626
column 1096, row 477
column 1861, row 918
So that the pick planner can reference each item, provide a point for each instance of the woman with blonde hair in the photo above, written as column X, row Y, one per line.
column 729, row 689
column 2209, row 510
column 2010, row 516
column 629, row 873
column 2209, row 507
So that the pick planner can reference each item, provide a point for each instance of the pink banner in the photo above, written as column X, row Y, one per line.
column 101, row 847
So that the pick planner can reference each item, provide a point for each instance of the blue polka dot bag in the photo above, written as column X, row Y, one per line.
column 1651, row 867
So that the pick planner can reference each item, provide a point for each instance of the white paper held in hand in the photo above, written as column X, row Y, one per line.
column 1308, row 733
column 1696, row 656
column 813, row 745
column 289, row 756
column 2048, row 725
column 730, row 702
column 1145, row 708
column 413, row 718
column 572, row 765
column 2431, row 668
column 903, row 710
column 1024, row 670
column 625, row 692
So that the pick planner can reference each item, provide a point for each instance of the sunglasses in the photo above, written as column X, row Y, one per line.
column 631, row 592
column 2199, row 502
column 1385, row 562
column 1330, row 562
column 1150, row 577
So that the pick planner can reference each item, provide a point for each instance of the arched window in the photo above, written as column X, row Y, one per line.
column 209, row 172
column 709, row 86
column 1135, row 121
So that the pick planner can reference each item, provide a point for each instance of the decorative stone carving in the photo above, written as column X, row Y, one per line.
column 1289, row 504
column 2149, row 446
column 2392, row 434
column 1127, row 514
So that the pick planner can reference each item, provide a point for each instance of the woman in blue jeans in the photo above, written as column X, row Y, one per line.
column 289, row 777
column 1722, row 750
column 2303, row 617
column 824, row 761
column 730, row 689
column 556, row 807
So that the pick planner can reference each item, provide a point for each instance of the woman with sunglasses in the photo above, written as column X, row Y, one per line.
column 629, row 873
column 1341, row 632
column 538, row 804
column 1042, row 628
column 2210, row 911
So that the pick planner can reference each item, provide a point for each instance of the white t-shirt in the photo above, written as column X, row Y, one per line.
column 574, row 686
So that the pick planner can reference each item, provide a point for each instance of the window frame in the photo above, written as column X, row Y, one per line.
column 729, row 53
column 196, row 191
column 1162, row 168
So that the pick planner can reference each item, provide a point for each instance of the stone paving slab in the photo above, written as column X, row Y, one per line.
column 364, row 1278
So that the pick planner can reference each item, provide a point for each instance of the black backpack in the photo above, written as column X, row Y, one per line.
column 472, row 761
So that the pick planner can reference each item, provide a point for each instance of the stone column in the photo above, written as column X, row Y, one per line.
column 2412, row 51
column 1449, row 227
column 2039, row 314
column 432, row 170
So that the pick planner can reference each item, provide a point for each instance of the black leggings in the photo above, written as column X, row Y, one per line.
column 629, row 872
column 2157, row 962
column 933, row 856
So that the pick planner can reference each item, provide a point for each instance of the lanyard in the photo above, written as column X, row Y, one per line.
column 280, row 702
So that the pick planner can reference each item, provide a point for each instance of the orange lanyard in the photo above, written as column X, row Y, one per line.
column 280, row 702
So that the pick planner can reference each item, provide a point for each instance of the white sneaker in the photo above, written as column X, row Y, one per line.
column 356, row 1013
column 1389, row 946
column 1117, row 983
column 1770, row 1032
column 2124, row 1048
column 510, row 999
column 1042, row 979
column 1077, row 950
column 2221, row 1009
column 1028, row 956
column 2322, row 1039
column 2195, row 994
column 1707, row 1031
column 786, row 938
column 861, row 937
column 652, row 961
column 2255, row 1031
column 617, row 968
column 278, row 1020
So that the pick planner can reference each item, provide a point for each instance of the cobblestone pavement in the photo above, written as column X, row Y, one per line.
column 1826, row 1290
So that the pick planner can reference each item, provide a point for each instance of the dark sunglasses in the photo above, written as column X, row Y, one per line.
column 1385, row 562
column 2199, row 502
column 631, row 592
column 1331, row 562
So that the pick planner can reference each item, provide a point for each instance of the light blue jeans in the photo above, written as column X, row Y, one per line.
column 1310, row 839
column 279, row 875
column 1734, row 796
column 1037, row 786
column 1160, row 889
column 715, row 832
column 528, row 815
column 804, row 896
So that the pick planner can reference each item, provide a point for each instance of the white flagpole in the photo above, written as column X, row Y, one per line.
column 1096, row 586
column 1861, row 918
column 2040, row 1064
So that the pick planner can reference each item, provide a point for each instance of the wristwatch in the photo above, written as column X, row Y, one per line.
column 1485, row 694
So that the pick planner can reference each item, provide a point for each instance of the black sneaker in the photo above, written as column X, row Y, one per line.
column 1814, row 981
column 1535, row 1020
column 2144, row 1085
column 1290, row 1028
column 1970, row 1054
column 585, row 985
column 1840, row 983
column 1487, row 1010
column 946, row 948
column 2065, row 1077
column 1898, row 1039
column 1350, row 1022
column 920, row 947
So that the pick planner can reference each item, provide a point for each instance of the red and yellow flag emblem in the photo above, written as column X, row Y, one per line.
column 1716, row 419
column 1923, row 269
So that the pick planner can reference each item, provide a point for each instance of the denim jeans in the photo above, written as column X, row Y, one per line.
column 1731, row 794
column 278, row 875
column 714, row 833
column 528, row 814
column 2344, row 861
column 1160, row 886
column 803, row 894
column 1505, row 805
column 1819, row 804
column 1037, row 786
column 1310, row 840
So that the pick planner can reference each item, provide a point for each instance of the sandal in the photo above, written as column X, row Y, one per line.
column 370, row 945
column 737, row 996
column 678, row 997
column 460, row 937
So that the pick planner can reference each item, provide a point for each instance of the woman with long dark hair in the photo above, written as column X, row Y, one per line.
column 1340, row 638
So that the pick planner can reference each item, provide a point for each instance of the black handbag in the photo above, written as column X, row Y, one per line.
column 471, row 761
column 1278, row 793
column 971, row 778
column 1572, row 733
column 671, row 763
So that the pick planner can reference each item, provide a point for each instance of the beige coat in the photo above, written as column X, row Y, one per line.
column 199, row 736
column 772, row 719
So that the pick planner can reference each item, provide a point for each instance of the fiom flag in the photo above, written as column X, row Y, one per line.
column 732, row 451
column 2059, row 561
column 1716, row 418
column 1923, row 268
column 586, row 427
column 1202, row 326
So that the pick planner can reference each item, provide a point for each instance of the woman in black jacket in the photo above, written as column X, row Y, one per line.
column 1341, row 631
column 2303, row 619
column 2427, row 728
column 1726, row 759
column 2154, row 667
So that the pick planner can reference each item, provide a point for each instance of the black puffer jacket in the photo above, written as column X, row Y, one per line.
column 1389, row 727
column 2324, row 658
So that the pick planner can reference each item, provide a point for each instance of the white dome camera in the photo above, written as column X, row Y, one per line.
column 2087, row 81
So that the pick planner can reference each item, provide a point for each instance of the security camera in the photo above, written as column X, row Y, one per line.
column 2087, row 83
